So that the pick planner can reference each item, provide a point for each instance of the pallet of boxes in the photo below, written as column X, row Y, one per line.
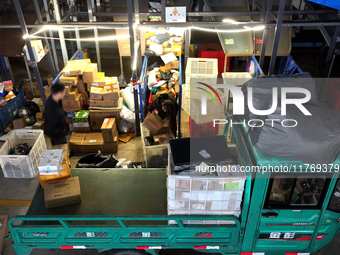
column 101, row 94
column 60, row 188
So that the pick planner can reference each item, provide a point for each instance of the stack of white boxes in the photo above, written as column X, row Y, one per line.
column 50, row 162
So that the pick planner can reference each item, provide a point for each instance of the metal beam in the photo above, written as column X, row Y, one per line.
column 9, row 68
column 137, row 33
column 187, row 47
column 54, row 51
column 49, row 54
column 29, row 75
column 163, row 2
column 276, row 37
column 61, row 33
column 134, row 71
column 265, row 34
column 29, row 48
column 331, row 52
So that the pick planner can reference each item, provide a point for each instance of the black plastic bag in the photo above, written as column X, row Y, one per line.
column 97, row 160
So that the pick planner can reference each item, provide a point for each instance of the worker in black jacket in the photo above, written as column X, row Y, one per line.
column 55, row 120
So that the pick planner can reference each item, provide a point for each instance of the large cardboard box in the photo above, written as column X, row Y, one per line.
column 96, row 93
column 155, row 124
column 65, row 172
column 90, row 73
column 110, row 94
column 71, row 93
column 81, row 87
column 91, row 143
column 19, row 123
column 73, row 105
column 3, row 230
column 62, row 192
column 98, row 116
column 104, row 103
column 99, row 82
column 109, row 130
column 75, row 67
column 69, row 80
column 28, row 90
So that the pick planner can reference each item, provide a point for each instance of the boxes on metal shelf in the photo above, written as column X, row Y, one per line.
column 22, row 166
column 50, row 162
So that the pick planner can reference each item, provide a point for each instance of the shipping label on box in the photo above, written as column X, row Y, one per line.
column 75, row 67
column 155, row 124
column 62, row 192
column 68, row 80
column 109, row 130
column 90, row 73
column 81, row 117
column 99, row 82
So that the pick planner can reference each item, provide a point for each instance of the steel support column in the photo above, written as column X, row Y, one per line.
column 78, row 38
column 54, row 51
column 29, row 48
column 61, row 33
column 163, row 2
column 331, row 52
column 265, row 32
column 134, row 71
column 9, row 68
column 29, row 75
column 277, row 37
column 187, row 47
column 49, row 54
column 138, row 38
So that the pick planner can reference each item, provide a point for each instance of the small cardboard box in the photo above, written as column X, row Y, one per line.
column 96, row 93
column 75, row 67
column 104, row 103
column 90, row 73
column 111, row 81
column 69, row 80
column 154, row 123
column 3, row 230
column 166, row 68
column 81, row 117
column 109, row 130
column 160, row 139
column 65, row 172
column 174, row 64
column 91, row 143
column 110, row 94
column 40, row 116
column 71, row 94
column 19, row 123
column 98, row 116
column 73, row 105
column 62, row 192
column 38, row 125
column 38, row 51
column 99, row 82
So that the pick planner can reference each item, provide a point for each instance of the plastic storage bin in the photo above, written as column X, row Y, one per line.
column 201, row 68
column 9, row 111
column 22, row 166
column 156, row 156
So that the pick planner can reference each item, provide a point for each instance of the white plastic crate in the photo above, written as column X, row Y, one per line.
column 22, row 166
column 204, row 205
column 156, row 156
column 234, row 78
column 201, row 68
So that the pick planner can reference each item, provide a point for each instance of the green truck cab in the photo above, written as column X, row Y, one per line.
column 288, row 208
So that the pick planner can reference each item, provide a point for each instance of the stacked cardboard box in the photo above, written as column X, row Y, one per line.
column 106, row 96
column 91, row 143
column 109, row 130
column 81, row 121
column 97, row 118
column 50, row 162
column 72, row 101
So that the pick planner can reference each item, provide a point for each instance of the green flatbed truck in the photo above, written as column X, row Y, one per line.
column 292, row 212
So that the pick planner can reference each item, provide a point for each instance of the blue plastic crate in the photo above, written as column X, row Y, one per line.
column 9, row 111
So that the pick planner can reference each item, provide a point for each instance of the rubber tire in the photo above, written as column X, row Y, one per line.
column 127, row 252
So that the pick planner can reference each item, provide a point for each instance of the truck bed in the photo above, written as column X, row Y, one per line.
column 111, row 192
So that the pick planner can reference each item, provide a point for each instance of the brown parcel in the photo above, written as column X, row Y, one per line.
column 19, row 123
column 174, row 64
column 62, row 192
column 75, row 67
column 38, row 125
column 104, row 103
column 3, row 230
column 91, row 143
column 160, row 139
column 99, row 82
column 40, row 116
column 41, row 106
column 68, row 80
column 90, row 73
column 155, row 124
column 96, row 93
column 109, row 130
column 71, row 94
column 73, row 105
column 97, row 116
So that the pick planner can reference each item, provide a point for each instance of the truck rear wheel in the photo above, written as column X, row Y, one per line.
column 127, row 252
